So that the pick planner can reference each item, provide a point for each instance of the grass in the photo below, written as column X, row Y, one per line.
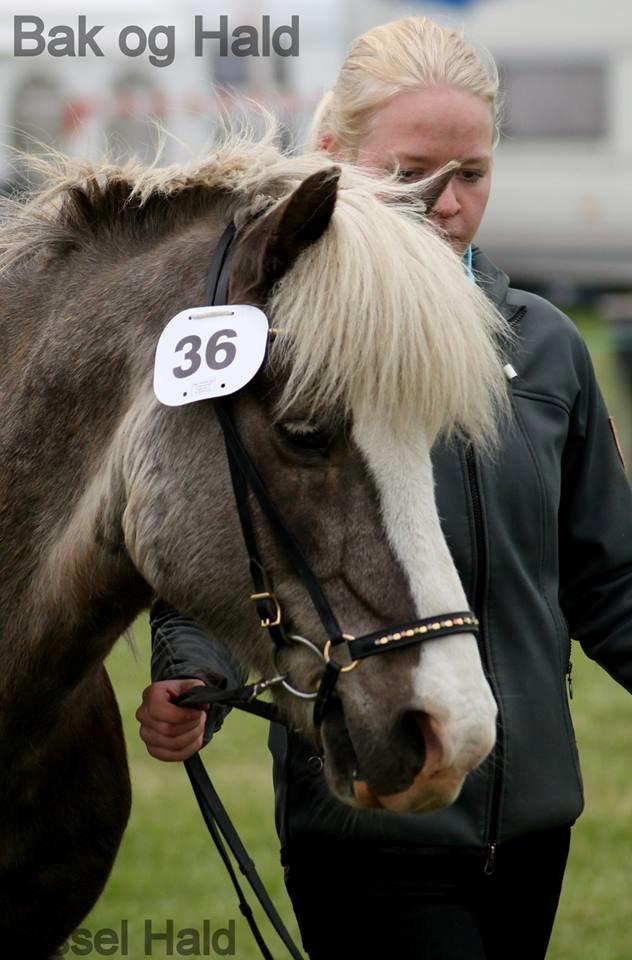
column 168, row 869
column 594, row 918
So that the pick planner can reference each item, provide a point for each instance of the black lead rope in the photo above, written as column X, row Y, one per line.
column 242, row 698
column 219, row 824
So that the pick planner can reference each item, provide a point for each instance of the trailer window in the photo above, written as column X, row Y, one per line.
column 555, row 100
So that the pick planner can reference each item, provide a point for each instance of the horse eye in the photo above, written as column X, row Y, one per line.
column 303, row 436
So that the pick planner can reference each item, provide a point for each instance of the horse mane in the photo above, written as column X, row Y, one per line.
column 400, row 328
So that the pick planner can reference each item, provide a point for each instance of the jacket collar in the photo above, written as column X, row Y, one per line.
column 494, row 283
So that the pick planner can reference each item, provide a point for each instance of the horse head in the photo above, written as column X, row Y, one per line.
column 381, row 343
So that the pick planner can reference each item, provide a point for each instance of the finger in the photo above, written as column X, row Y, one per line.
column 165, row 737
column 162, row 709
column 174, row 729
column 167, row 733
column 174, row 713
column 154, row 717
column 162, row 752
column 171, row 689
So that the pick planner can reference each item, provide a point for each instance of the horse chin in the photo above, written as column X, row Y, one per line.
column 432, row 787
column 427, row 793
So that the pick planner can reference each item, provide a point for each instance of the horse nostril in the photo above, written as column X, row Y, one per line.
column 433, row 746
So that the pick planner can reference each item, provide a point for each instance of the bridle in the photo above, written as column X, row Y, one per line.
column 245, row 478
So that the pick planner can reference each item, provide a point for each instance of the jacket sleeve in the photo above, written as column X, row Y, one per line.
column 596, row 532
column 181, row 648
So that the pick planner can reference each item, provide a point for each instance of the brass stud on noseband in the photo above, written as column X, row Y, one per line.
column 421, row 631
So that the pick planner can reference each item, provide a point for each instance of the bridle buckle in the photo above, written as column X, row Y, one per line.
column 267, row 622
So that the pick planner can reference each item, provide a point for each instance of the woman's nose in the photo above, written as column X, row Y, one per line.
column 447, row 205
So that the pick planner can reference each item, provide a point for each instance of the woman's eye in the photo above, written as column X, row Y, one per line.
column 303, row 436
column 407, row 175
column 471, row 176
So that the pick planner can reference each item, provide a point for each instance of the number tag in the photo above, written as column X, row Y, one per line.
column 209, row 352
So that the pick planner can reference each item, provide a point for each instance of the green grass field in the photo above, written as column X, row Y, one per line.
column 168, row 869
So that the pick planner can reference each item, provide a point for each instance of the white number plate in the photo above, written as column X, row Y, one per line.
column 209, row 352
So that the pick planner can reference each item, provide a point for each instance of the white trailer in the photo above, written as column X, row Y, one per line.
column 561, row 207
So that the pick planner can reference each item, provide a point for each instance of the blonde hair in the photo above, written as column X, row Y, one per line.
column 406, row 54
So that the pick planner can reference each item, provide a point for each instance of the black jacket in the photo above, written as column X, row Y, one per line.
column 542, row 540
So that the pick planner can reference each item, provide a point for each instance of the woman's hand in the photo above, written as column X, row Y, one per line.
column 170, row 732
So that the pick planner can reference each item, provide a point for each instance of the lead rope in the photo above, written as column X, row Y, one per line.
column 219, row 824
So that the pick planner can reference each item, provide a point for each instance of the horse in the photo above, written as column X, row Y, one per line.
column 109, row 498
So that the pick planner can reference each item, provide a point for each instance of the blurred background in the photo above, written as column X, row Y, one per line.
column 559, row 222
column 560, row 216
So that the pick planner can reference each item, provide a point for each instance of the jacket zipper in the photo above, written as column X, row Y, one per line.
column 494, row 817
column 518, row 315
column 479, row 598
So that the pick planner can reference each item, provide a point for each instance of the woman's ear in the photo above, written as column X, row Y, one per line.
column 331, row 145
column 326, row 141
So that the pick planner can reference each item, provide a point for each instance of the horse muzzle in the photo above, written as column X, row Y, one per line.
column 417, row 766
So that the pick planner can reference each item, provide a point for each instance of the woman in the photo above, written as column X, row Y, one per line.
column 542, row 539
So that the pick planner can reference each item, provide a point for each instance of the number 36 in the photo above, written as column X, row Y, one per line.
column 217, row 355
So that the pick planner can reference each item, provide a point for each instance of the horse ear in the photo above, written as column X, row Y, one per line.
column 431, row 193
column 273, row 244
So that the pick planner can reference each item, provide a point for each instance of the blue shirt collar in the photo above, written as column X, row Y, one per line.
column 467, row 262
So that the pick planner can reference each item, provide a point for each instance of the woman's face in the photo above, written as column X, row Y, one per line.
column 421, row 130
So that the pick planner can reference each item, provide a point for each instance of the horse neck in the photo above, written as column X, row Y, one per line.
column 68, row 587
column 72, row 589
column 78, row 369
